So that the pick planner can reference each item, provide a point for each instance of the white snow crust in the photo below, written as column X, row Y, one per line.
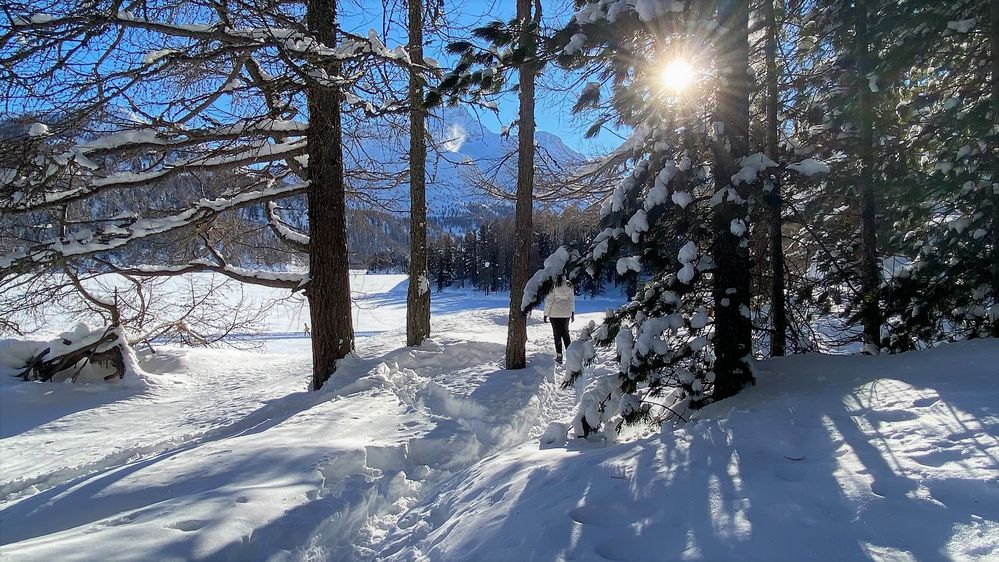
column 438, row 453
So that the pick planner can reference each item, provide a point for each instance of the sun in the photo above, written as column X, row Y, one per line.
column 677, row 75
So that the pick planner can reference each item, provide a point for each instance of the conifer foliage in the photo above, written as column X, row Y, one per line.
column 678, row 219
column 946, row 286
column 885, row 116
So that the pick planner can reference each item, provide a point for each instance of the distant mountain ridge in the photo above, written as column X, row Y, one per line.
column 461, row 152
column 460, row 148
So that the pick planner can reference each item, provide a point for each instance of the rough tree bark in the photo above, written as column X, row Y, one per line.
column 994, row 47
column 329, row 286
column 778, row 306
column 418, row 295
column 869, row 278
column 516, row 336
column 733, row 329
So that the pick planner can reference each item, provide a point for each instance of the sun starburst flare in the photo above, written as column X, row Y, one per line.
column 677, row 75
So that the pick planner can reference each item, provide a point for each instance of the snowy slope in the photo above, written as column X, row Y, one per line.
column 432, row 454
column 223, row 454
column 827, row 458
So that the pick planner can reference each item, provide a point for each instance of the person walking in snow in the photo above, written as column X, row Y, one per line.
column 560, row 306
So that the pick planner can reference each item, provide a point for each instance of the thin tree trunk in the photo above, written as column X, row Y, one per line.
column 329, row 284
column 870, row 299
column 516, row 336
column 778, row 307
column 733, row 329
column 994, row 43
column 418, row 295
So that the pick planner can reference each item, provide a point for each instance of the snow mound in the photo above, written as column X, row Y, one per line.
column 883, row 458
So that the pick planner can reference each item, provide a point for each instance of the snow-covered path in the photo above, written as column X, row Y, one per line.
column 226, row 455
column 431, row 454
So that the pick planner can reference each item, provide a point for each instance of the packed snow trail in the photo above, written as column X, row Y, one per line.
column 226, row 456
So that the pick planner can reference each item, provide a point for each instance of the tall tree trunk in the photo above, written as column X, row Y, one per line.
column 733, row 329
column 994, row 44
column 516, row 335
column 778, row 306
column 418, row 295
column 329, row 284
column 869, row 274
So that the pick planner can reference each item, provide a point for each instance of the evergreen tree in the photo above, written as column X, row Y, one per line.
column 890, row 96
column 772, row 186
column 945, row 263
column 843, row 124
column 470, row 254
column 678, row 213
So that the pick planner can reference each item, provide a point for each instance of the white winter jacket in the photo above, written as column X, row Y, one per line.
column 561, row 302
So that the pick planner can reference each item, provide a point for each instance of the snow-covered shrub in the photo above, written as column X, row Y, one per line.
column 81, row 354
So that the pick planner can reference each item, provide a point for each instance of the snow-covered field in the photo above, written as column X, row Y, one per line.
column 432, row 454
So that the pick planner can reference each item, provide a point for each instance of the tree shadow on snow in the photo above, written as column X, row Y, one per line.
column 82, row 499
column 27, row 405
column 114, row 486
column 820, row 484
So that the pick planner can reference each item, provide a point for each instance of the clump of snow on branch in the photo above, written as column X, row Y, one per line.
column 637, row 224
column 686, row 256
column 630, row 263
column 554, row 265
column 682, row 198
column 738, row 227
column 752, row 165
column 962, row 26
column 576, row 43
column 810, row 167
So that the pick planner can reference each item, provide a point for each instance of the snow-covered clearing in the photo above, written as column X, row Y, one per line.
column 827, row 458
column 432, row 454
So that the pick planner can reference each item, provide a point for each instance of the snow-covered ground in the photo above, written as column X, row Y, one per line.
column 432, row 454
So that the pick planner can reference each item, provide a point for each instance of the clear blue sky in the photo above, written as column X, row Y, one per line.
column 553, row 108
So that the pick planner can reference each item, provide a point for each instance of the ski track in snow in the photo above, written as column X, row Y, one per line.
column 225, row 443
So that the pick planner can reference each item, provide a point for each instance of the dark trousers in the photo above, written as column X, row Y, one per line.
column 560, row 328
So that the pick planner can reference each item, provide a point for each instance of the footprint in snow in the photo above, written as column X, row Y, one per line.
column 117, row 521
column 892, row 488
column 925, row 402
column 892, row 415
column 938, row 458
column 606, row 514
column 791, row 473
column 623, row 548
column 189, row 525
